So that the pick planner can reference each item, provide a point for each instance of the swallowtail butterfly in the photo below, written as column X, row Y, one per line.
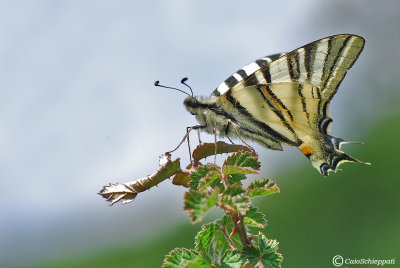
column 284, row 99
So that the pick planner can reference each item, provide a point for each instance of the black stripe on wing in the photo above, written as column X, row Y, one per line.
column 277, row 137
column 247, row 73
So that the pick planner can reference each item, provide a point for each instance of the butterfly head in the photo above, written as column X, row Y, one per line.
column 192, row 104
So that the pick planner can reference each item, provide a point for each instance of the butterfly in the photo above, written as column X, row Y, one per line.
column 284, row 99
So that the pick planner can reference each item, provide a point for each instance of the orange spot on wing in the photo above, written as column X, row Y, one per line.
column 306, row 149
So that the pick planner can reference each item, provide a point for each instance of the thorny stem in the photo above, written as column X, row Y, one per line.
column 241, row 229
column 236, row 218
column 238, row 222
column 223, row 230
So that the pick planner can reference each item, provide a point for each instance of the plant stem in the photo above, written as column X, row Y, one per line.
column 223, row 230
column 241, row 229
column 224, row 179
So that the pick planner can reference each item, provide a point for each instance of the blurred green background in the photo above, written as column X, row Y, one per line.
column 354, row 213
column 79, row 110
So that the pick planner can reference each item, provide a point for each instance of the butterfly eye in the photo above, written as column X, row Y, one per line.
column 324, row 169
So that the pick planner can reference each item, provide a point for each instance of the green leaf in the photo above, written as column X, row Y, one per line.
column 238, row 170
column 264, row 251
column 211, row 244
column 200, row 173
column 252, row 254
column 273, row 260
column 234, row 190
column 236, row 178
column 199, row 263
column 233, row 259
column 211, row 179
column 255, row 218
column 261, row 188
column 197, row 203
column 225, row 221
column 268, row 249
column 243, row 159
column 265, row 245
column 205, row 235
column 180, row 257
column 234, row 199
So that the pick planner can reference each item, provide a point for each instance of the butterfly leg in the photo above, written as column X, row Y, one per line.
column 198, row 133
column 237, row 133
column 228, row 123
column 188, row 130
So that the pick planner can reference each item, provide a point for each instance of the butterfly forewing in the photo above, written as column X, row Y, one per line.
column 322, row 63
column 245, row 76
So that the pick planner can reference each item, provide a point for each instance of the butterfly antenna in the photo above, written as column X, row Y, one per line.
column 157, row 84
column 183, row 81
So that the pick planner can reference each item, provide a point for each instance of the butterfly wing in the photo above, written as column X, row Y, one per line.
column 323, row 63
column 287, row 96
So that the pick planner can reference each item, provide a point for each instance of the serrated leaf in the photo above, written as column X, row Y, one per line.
column 234, row 190
column 180, row 257
column 211, row 179
column 198, row 263
column 264, row 251
column 234, row 199
column 252, row 254
column 243, row 159
column 266, row 245
column 211, row 244
column 233, row 259
column 261, row 188
column 269, row 255
column 273, row 260
column 197, row 203
column 207, row 149
column 236, row 178
column 225, row 221
column 200, row 173
column 255, row 218
column 204, row 236
column 238, row 170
